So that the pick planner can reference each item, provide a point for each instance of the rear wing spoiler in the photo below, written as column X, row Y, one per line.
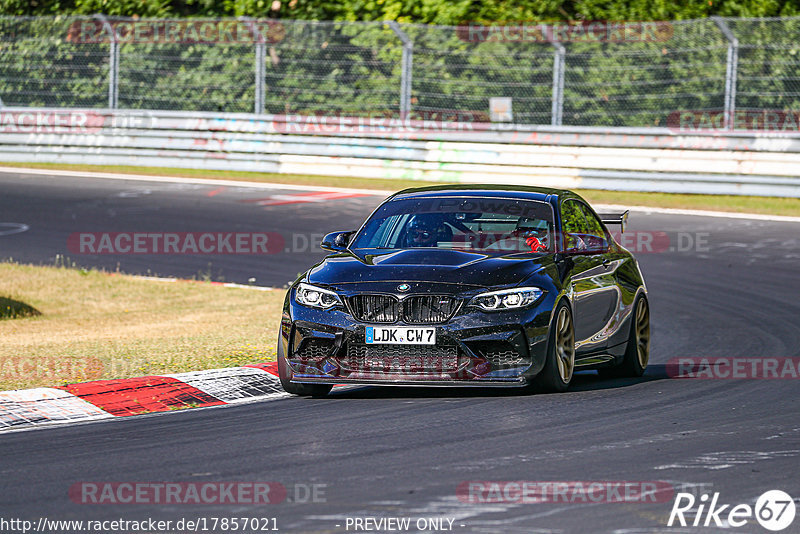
column 615, row 218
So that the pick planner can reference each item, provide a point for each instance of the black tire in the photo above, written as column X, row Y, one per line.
column 559, row 367
column 637, row 351
column 285, row 375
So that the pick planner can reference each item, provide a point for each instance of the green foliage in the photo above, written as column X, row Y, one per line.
column 41, row 66
column 196, row 77
column 446, row 12
column 14, row 309
column 345, row 66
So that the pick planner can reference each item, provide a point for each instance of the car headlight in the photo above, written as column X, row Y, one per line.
column 507, row 299
column 316, row 297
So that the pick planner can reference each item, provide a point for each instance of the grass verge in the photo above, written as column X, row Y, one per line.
column 729, row 203
column 95, row 325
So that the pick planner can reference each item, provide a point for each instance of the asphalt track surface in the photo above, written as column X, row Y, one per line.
column 402, row 452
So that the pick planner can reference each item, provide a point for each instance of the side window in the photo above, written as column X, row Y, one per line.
column 583, row 231
column 592, row 222
column 572, row 219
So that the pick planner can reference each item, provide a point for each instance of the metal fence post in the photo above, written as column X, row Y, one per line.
column 406, row 67
column 557, row 109
column 731, row 68
column 260, row 74
column 113, row 62
column 261, row 53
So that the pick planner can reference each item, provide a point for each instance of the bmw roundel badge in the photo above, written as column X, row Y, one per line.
column 402, row 288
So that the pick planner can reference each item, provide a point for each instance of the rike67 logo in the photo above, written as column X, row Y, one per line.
column 774, row 510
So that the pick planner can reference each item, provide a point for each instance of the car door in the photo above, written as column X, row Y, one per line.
column 594, row 291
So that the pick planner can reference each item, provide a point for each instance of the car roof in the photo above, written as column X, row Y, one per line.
column 489, row 190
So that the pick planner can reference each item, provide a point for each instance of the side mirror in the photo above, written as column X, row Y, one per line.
column 584, row 244
column 336, row 241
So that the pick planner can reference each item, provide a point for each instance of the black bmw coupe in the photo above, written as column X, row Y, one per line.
column 467, row 285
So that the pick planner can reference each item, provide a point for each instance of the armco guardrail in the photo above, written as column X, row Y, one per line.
column 651, row 159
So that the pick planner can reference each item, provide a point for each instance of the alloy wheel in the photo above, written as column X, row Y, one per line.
column 565, row 345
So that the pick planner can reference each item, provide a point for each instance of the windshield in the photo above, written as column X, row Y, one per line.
column 482, row 224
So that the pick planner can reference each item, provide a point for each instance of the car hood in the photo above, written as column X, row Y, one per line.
column 436, row 266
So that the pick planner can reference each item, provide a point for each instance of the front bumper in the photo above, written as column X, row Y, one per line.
column 473, row 348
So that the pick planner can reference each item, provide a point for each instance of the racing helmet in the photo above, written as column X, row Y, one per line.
column 423, row 230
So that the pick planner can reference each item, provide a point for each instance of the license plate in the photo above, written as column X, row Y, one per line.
column 400, row 335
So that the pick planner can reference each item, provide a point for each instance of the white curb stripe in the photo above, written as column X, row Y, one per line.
column 24, row 409
column 32, row 407
column 234, row 384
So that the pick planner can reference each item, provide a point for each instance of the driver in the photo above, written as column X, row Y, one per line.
column 533, row 233
column 423, row 231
